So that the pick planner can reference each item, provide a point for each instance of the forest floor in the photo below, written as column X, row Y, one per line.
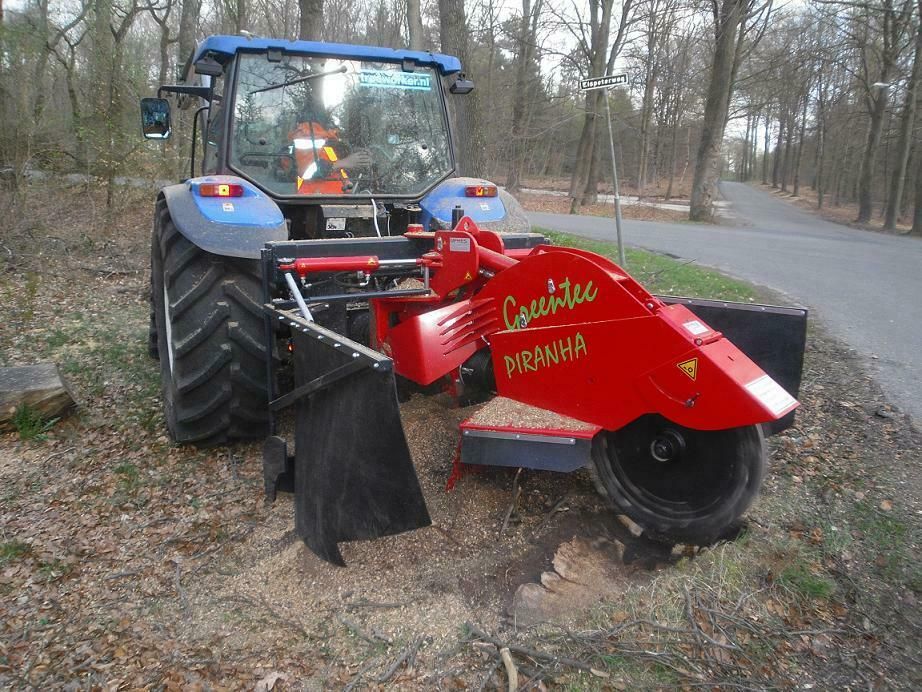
column 127, row 562
column 653, row 192
column 844, row 213
column 641, row 211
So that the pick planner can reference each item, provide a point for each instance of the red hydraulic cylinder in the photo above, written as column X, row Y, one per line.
column 308, row 265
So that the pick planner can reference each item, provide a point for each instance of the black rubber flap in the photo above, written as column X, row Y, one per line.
column 354, row 478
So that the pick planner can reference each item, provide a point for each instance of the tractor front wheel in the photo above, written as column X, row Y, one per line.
column 210, row 340
column 681, row 484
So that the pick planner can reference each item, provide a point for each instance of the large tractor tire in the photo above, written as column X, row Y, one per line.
column 210, row 339
column 690, row 486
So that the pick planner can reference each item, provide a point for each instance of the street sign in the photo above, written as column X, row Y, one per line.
column 602, row 82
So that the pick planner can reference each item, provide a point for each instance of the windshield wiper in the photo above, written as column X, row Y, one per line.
column 339, row 70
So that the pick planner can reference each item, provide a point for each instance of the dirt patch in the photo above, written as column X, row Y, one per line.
column 128, row 562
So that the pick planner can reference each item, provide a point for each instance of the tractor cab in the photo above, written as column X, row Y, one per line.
column 346, row 140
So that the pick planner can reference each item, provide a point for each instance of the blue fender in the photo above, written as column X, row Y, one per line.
column 229, row 226
column 500, row 213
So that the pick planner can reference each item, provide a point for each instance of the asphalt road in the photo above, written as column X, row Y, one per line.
column 865, row 287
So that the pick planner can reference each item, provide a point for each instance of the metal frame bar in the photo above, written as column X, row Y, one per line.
column 361, row 356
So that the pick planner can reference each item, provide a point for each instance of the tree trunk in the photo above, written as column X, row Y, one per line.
column 907, row 122
column 188, row 25
column 869, row 160
column 776, row 163
column 820, row 180
column 240, row 17
column 646, row 113
column 101, row 69
column 591, row 192
column 765, row 151
column 744, row 159
column 800, row 145
column 454, row 37
column 41, row 64
column 786, row 158
column 707, row 162
column 414, row 25
column 917, row 212
column 584, row 151
column 164, row 51
column 672, row 160
column 310, row 27
column 520, row 94
column 583, row 174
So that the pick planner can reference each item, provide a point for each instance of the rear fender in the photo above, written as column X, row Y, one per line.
column 500, row 213
column 229, row 226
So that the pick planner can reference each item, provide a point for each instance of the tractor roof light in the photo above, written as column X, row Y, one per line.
column 480, row 191
column 220, row 190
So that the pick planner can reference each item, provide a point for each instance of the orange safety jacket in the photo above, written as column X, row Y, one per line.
column 314, row 157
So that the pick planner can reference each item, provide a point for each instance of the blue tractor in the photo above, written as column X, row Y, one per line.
column 291, row 140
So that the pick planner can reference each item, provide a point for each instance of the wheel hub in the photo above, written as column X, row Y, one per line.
column 667, row 446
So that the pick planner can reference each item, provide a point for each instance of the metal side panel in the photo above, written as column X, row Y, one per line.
column 773, row 337
column 543, row 452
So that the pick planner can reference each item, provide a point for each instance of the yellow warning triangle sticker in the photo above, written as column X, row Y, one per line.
column 468, row 277
column 689, row 367
column 300, row 182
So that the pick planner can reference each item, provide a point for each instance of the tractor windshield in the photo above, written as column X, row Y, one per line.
column 323, row 126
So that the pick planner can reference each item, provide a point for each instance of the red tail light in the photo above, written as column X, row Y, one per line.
column 220, row 190
column 480, row 191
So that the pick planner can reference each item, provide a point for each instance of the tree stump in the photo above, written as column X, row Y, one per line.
column 39, row 386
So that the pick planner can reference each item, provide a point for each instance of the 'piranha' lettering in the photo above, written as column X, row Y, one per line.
column 545, row 355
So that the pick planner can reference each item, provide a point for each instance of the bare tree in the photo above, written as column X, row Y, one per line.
column 524, row 71
column 596, row 55
column 730, row 17
column 188, row 27
column 455, row 39
column 907, row 122
column 877, row 33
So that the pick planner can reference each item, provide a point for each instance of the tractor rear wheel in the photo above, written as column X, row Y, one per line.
column 210, row 338
column 681, row 484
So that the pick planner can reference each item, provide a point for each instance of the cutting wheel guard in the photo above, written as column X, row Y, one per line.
column 581, row 337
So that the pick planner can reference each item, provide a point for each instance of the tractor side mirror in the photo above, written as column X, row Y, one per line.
column 461, row 85
column 155, row 118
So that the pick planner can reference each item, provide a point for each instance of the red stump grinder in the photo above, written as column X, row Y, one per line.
column 588, row 369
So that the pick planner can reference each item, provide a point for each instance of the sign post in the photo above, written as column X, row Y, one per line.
column 606, row 83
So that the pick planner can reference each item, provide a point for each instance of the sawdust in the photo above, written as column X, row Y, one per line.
column 501, row 411
column 422, row 583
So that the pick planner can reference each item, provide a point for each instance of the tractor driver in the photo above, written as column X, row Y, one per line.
column 317, row 149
